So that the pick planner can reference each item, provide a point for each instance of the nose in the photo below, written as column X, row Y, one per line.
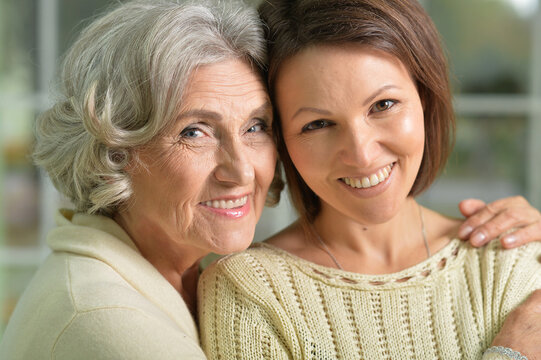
column 359, row 145
column 234, row 165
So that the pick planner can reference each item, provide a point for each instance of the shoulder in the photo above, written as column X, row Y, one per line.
column 440, row 229
column 80, row 305
column 249, row 265
column 123, row 333
column 502, row 277
column 524, row 261
column 526, row 258
column 290, row 239
column 260, row 256
column 114, row 319
column 251, row 276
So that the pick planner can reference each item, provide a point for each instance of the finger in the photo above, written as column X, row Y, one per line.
column 516, row 207
column 494, row 227
column 507, row 202
column 468, row 207
column 475, row 221
column 503, row 223
column 522, row 236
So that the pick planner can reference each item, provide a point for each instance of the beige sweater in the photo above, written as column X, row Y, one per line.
column 96, row 297
column 265, row 303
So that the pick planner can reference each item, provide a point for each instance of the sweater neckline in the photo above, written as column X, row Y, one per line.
column 445, row 258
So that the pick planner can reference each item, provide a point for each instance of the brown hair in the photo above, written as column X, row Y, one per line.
column 401, row 28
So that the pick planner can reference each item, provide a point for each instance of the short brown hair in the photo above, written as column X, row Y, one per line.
column 401, row 28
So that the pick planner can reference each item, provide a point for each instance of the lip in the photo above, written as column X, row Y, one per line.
column 233, row 213
column 373, row 190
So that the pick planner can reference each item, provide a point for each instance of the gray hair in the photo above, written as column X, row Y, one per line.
column 121, row 85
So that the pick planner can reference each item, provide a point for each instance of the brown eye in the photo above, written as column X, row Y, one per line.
column 382, row 105
column 315, row 125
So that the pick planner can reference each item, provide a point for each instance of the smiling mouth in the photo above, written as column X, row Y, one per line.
column 369, row 181
column 226, row 204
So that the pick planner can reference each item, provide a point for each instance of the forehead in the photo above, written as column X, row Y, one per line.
column 339, row 74
column 344, row 60
column 232, row 82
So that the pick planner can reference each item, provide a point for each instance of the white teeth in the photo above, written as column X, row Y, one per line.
column 365, row 182
column 226, row 204
column 369, row 181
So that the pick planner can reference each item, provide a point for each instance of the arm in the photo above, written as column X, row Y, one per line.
column 522, row 328
column 512, row 218
column 518, row 312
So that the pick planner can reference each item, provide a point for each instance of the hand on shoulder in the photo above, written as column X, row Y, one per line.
column 512, row 219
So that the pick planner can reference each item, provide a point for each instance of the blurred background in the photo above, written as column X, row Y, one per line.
column 494, row 47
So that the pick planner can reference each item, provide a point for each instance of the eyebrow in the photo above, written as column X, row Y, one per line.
column 378, row 92
column 212, row 115
column 311, row 109
column 326, row 112
column 265, row 107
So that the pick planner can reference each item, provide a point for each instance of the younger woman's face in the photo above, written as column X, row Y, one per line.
column 353, row 125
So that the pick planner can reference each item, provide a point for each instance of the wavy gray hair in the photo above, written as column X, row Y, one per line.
column 121, row 85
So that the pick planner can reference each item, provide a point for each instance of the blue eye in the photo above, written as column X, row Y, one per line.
column 315, row 125
column 191, row 133
column 260, row 126
column 383, row 105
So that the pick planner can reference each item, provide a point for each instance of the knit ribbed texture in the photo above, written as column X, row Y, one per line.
column 265, row 303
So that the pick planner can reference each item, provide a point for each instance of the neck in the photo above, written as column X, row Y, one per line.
column 177, row 262
column 376, row 248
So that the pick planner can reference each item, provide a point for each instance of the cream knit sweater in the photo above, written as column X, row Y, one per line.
column 265, row 303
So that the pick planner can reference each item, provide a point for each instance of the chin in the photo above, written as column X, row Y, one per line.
column 376, row 214
column 233, row 243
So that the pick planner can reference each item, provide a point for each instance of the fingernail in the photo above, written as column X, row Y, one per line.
column 510, row 240
column 478, row 238
column 465, row 232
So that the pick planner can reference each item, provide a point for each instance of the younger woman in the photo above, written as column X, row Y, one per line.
column 365, row 124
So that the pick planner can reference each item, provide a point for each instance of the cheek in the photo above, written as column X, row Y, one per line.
column 181, row 179
column 410, row 134
column 264, row 161
column 308, row 154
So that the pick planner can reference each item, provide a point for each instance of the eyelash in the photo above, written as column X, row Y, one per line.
column 392, row 103
column 325, row 123
column 187, row 130
column 260, row 123
column 190, row 129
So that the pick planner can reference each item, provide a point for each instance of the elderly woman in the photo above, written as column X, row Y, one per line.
column 161, row 139
column 365, row 124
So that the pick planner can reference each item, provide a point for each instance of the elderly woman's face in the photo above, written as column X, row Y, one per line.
column 353, row 125
column 207, row 178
